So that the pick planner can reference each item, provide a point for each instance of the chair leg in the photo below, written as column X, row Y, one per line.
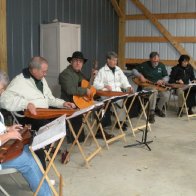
column 14, row 179
column 4, row 191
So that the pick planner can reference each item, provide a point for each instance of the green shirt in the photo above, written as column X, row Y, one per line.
column 152, row 73
column 70, row 82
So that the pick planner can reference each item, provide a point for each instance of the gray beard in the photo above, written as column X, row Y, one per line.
column 155, row 64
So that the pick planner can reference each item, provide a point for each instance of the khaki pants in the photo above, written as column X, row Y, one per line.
column 163, row 97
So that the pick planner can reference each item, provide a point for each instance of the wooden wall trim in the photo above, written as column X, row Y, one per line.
column 163, row 30
column 135, row 61
column 191, row 15
column 160, row 39
column 118, row 10
column 3, row 37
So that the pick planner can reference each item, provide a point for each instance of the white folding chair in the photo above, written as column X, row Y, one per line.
column 10, row 172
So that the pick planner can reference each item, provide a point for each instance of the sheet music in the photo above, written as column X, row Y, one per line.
column 49, row 133
column 81, row 111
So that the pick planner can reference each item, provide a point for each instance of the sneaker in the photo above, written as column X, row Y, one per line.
column 178, row 113
column 159, row 113
column 151, row 118
column 52, row 182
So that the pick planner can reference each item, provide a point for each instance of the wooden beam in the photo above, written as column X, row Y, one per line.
column 160, row 39
column 118, row 10
column 139, row 61
column 191, row 15
column 3, row 38
column 121, row 36
column 163, row 30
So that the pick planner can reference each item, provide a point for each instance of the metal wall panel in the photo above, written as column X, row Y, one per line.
column 99, row 28
column 178, row 27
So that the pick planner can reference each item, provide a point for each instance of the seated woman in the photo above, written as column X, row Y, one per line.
column 183, row 73
column 25, row 162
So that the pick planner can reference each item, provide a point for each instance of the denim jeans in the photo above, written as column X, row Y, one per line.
column 27, row 166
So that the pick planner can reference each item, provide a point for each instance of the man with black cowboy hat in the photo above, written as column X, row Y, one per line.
column 70, row 81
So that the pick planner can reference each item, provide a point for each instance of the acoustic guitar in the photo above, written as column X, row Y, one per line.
column 13, row 148
column 85, row 101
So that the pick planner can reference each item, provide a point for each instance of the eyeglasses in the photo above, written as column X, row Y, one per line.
column 78, row 60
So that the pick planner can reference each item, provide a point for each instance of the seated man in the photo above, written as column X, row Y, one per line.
column 154, row 71
column 70, row 81
column 183, row 73
column 111, row 78
column 25, row 162
column 29, row 90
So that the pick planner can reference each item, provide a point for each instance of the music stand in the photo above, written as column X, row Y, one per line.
column 144, row 94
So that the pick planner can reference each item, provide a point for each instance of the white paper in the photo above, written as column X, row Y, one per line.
column 49, row 133
column 81, row 111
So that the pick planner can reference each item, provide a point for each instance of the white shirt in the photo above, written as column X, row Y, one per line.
column 116, row 80
column 2, row 129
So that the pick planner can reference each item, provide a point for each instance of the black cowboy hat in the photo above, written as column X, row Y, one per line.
column 76, row 55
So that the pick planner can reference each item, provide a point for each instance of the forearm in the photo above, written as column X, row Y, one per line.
column 136, row 73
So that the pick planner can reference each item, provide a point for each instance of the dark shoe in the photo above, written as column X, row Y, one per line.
column 100, row 136
column 190, row 112
column 159, row 113
column 151, row 118
column 178, row 113
column 64, row 156
column 124, row 126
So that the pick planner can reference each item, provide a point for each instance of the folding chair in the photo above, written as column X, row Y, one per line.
column 86, row 113
column 49, row 134
column 9, row 172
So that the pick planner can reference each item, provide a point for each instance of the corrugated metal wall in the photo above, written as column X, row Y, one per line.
column 99, row 28
column 177, row 27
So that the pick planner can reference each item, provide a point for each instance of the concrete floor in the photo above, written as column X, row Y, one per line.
column 169, row 169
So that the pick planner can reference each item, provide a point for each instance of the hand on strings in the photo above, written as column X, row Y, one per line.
column 160, row 82
column 179, row 81
column 69, row 105
column 89, row 93
column 15, row 127
column 193, row 81
column 14, row 134
column 130, row 90
column 32, row 109
column 108, row 87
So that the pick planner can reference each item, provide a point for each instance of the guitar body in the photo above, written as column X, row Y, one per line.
column 13, row 148
column 85, row 101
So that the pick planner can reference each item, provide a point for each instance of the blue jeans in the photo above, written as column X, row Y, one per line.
column 27, row 166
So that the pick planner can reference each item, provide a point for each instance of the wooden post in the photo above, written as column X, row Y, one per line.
column 3, row 37
column 121, row 37
column 163, row 30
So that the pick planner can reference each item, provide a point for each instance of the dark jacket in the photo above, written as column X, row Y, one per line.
column 70, row 82
column 186, row 74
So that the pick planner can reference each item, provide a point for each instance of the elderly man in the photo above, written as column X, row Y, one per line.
column 29, row 90
column 70, row 81
column 24, row 162
column 111, row 78
column 154, row 71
